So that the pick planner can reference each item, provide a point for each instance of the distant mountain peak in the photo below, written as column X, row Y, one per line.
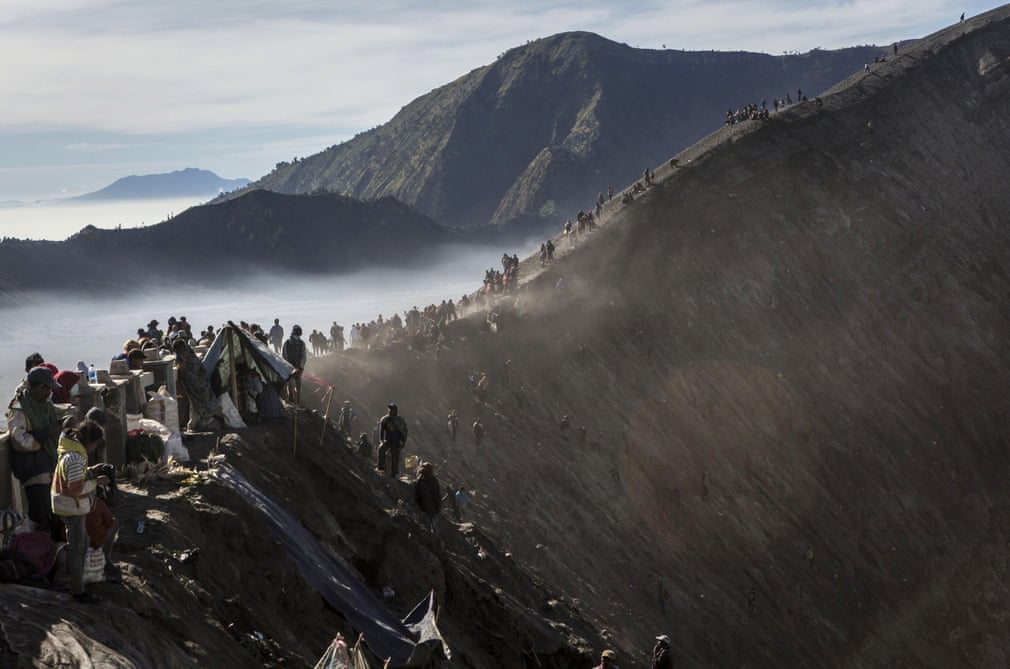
column 187, row 182
column 550, row 123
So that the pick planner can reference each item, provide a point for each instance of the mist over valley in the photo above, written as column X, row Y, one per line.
column 56, row 220
column 93, row 329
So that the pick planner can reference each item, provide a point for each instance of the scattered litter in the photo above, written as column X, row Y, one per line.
column 189, row 555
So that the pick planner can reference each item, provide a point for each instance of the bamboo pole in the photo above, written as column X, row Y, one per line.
column 231, row 369
column 326, row 417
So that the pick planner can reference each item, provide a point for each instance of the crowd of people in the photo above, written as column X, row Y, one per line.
column 66, row 489
column 760, row 112
column 506, row 280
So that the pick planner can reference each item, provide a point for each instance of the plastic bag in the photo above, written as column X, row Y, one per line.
column 133, row 421
column 174, row 448
column 232, row 418
column 163, row 408
column 94, row 566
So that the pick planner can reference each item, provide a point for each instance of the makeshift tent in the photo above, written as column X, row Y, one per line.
column 234, row 347
column 408, row 643
column 335, row 659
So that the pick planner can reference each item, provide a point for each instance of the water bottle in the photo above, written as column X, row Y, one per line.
column 92, row 374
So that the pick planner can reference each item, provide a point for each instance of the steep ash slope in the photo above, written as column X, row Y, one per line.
column 791, row 359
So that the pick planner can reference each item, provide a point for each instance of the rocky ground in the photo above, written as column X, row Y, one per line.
column 208, row 584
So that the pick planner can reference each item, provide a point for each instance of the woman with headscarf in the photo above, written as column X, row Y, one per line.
column 72, row 494
column 195, row 385
column 67, row 381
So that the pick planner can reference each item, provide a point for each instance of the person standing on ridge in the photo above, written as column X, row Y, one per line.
column 661, row 658
column 276, row 335
column 478, row 432
column 345, row 422
column 462, row 499
column 428, row 493
column 452, row 423
column 337, row 332
column 296, row 355
column 392, row 437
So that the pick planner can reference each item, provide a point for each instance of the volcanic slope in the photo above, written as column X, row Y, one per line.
column 790, row 356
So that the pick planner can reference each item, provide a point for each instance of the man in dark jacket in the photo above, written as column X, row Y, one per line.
column 428, row 492
column 295, row 353
column 661, row 658
column 34, row 429
column 392, row 437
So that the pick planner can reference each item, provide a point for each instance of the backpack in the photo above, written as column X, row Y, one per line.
column 294, row 351
column 36, row 548
column 268, row 404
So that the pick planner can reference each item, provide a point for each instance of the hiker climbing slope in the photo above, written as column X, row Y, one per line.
column 392, row 437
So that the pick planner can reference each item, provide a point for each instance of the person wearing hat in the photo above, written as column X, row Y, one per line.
column 153, row 332
column 608, row 660
column 392, row 437
column 661, row 658
column 34, row 433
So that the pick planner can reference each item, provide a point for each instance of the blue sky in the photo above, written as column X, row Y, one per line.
column 95, row 90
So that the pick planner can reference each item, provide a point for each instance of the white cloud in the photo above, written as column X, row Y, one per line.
column 91, row 147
